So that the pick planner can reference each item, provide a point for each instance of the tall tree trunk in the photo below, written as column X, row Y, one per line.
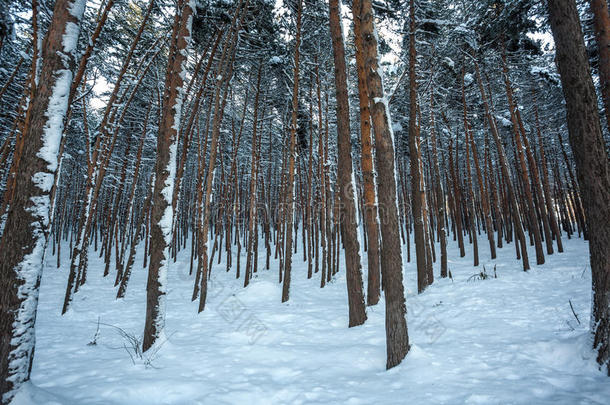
column 347, row 188
column 592, row 163
column 397, row 337
column 291, row 159
column 417, row 190
column 165, row 173
column 23, row 123
column 440, row 193
column 321, row 207
column 253, row 181
column 601, row 23
column 25, row 234
column 470, row 197
column 368, row 178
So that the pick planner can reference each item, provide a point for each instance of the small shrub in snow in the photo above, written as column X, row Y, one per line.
column 482, row 275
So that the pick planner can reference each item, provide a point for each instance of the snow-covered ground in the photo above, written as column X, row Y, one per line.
column 506, row 340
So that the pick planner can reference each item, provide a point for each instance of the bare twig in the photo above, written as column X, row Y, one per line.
column 574, row 312
column 96, row 335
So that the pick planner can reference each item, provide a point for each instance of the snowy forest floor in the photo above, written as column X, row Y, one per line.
column 506, row 340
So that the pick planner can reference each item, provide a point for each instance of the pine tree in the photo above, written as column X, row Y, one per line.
column 397, row 338
column 165, row 172
column 24, row 238
column 592, row 162
column 349, row 231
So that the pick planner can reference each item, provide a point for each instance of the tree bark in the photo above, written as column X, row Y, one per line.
column 253, row 181
column 291, row 159
column 601, row 23
column 592, row 163
column 397, row 338
column 440, row 193
column 347, row 191
column 417, row 190
column 321, row 207
column 470, row 197
column 368, row 178
column 25, row 234
column 165, row 173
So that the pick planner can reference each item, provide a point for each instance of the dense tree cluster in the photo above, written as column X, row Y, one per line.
column 309, row 129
